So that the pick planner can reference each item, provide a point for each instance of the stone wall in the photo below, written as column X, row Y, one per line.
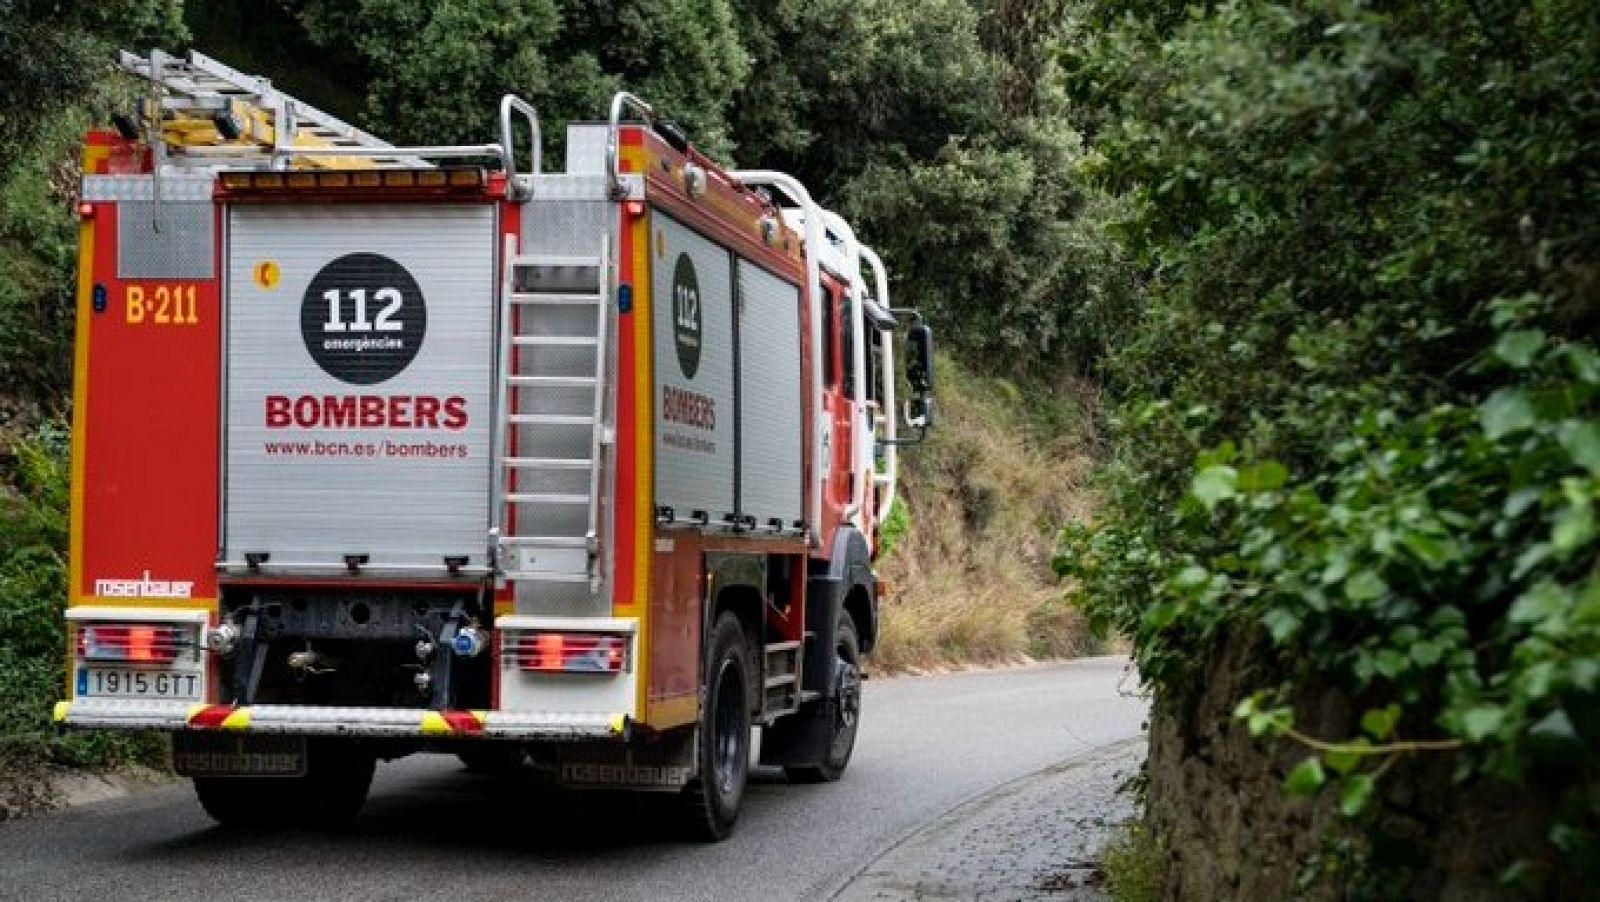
column 1227, row 830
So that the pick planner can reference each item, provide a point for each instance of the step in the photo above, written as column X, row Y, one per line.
column 550, row 381
column 777, row 647
column 547, row 541
column 782, row 679
column 548, row 463
column 545, row 498
column 549, row 419
column 553, row 297
column 554, row 341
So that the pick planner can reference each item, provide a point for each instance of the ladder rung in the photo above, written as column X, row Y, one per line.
column 547, row 576
column 549, row 419
column 554, row 341
column 551, row 381
column 545, row 498
column 549, row 463
column 547, row 541
column 553, row 297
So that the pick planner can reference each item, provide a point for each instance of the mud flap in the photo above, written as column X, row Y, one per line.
column 224, row 755
column 665, row 764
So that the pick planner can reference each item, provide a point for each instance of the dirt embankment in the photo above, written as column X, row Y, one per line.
column 969, row 554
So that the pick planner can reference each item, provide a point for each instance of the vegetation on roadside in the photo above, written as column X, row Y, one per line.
column 33, row 548
column 1355, row 415
column 1131, row 862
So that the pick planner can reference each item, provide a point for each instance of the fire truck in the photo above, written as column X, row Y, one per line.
column 381, row 450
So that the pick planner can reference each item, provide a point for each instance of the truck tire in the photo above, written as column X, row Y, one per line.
column 330, row 794
column 710, row 802
column 842, row 707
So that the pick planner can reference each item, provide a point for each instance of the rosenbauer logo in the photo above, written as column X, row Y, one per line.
column 363, row 319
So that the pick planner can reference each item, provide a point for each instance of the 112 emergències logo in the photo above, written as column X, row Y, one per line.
column 363, row 320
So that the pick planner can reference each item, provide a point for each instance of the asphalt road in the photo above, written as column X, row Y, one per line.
column 430, row 829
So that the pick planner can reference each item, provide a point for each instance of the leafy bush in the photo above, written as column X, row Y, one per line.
column 33, row 589
column 1326, row 432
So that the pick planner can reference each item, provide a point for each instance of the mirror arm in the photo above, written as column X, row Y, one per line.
column 919, row 438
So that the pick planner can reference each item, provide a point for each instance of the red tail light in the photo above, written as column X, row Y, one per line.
column 129, row 643
column 550, row 652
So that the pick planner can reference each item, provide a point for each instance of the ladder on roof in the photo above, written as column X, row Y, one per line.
column 211, row 114
column 553, row 433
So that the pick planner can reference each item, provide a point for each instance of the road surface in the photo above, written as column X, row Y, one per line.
column 926, row 745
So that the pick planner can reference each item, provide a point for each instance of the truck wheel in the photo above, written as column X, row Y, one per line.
column 710, row 802
column 330, row 793
column 495, row 758
column 842, row 707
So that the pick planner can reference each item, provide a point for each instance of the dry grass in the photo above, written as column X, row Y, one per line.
column 970, row 579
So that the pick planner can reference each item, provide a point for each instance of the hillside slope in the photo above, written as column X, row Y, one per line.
column 970, row 544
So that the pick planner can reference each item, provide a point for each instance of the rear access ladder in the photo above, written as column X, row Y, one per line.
column 554, row 433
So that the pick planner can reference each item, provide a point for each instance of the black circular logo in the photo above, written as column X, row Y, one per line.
column 686, row 315
column 363, row 319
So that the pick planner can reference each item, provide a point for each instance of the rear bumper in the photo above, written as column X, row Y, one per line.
column 301, row 720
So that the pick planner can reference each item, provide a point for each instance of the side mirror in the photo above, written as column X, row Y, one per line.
column 919, row 413
column 919, row 359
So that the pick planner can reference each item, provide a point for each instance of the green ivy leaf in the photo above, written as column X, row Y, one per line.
column 1540, row 603
column 1365, row 585
column 1266, row 476
column 1426, row 548
column 1281, row 624
column 1537, row 680
column 1392, row 663
column 1517, row 348
column 1306, row 778
column 1160, row 616
column 1214, row 485
column 1428, row 652
column 1582, row 442
column 1584, row 361
column 1505, row 412
column 1191, row 577
column 1354, row 794
column 1380, row 722
column 1573, row 530
column 1555, row 728
column 1481, row 722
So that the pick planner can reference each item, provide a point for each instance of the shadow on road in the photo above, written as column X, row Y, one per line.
column 452, row 812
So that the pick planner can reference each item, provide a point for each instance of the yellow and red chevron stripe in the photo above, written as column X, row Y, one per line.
column 219, row 717
column 452, row 723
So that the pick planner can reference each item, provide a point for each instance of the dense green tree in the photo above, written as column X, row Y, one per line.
column 55, row 61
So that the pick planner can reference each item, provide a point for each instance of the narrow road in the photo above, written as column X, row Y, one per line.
column 430, row 829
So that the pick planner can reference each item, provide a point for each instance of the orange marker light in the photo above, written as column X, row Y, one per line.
column 141, row 644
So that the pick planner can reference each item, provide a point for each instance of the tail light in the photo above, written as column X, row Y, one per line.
column 565, row 652
column 130, row 643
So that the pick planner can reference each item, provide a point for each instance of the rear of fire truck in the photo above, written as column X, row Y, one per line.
column 349, row 475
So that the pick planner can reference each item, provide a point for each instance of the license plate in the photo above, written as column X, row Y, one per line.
column 116, row 682
column 221, row 755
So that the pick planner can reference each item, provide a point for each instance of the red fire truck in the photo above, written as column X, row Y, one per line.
column 376, row 455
